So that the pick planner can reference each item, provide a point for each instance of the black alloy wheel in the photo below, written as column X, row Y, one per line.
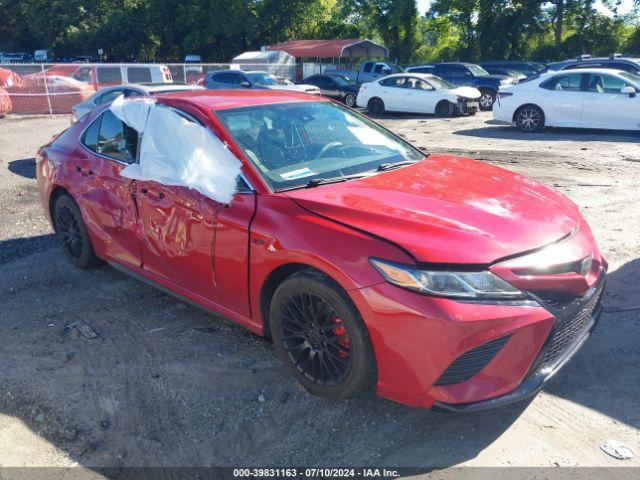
column 320, row 336
column 72, row 233
column 315, row 338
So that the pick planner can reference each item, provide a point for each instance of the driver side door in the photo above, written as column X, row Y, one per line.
column 194, row 244
column 606, row 107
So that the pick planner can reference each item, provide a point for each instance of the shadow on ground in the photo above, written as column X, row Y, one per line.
column 25, row 168
column 20, row 247
column 551, row 134
column 604, row 375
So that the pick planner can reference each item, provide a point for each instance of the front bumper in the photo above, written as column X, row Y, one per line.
column 418, row 339
column 541, row 372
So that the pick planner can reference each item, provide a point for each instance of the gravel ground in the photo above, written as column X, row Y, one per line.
column 165, row 384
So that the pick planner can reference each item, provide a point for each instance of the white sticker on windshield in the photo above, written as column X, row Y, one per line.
column 300, row 173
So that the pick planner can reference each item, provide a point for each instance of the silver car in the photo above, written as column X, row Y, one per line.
column 109, row 94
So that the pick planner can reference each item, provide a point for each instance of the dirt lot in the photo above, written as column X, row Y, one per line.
column 168, row 385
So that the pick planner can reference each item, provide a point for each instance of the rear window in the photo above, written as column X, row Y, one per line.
column 109, row 75
column 139, row 74
column 90, row 136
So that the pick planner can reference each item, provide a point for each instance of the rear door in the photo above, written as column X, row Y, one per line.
column 394, row 95
column 105, row 197
column 562, row 99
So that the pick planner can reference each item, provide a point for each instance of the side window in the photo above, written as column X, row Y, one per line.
column 90, row 135
column 458, row 71
column 599, row 83
column 322, row 82
column 367, row 67
column 378, row 68
column 397, row 82
column 417, row 84
column 564, row 83
column 117, row 140
column 138, row 74
column 441, row 70
column 109, row 75
column 83, row 74
column 109, row 96
column 627, row 67
column 231, row 78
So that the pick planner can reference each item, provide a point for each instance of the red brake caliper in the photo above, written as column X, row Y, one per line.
column 339, row 331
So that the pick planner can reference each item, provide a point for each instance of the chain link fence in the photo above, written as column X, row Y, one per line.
column 50, row 88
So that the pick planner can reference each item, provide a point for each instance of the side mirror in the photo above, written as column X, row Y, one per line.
column 245, row 84
column 628, row 90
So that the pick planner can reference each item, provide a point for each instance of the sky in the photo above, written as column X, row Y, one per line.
column 625, row 7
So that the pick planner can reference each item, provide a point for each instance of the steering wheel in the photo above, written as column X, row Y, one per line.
column 328, row 147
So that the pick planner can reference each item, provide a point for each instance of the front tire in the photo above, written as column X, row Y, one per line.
column 376, row 106
column 72, row 233
column 487, row 99
column 320, row 336
column 529, row 118
column 350, row 100
column 444, row 109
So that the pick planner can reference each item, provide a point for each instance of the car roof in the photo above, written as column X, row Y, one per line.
column 409, row 74
column 587, row 70
column 466, row 64
column 235, row 98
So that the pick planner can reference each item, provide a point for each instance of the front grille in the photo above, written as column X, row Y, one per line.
column 573, row 316
column 470, row 363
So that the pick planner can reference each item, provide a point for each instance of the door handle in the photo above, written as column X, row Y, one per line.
column 143, row 190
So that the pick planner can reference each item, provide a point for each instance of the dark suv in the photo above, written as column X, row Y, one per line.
column 530, row 69
column 472, row 75
column 631, row 65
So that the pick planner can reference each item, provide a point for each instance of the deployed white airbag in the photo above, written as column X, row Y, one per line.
column 176, row 151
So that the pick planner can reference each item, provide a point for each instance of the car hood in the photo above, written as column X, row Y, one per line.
column 466, row 92
column 447, row 209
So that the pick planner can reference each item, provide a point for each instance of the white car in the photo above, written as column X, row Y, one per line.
column 417, row 93
column 108, row 94
column 585, row 98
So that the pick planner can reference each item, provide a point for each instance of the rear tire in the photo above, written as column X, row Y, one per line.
column 376, row 106
column 350, row 100
column 529, row 118
column 444, row 109
column 487, row 99
column 72, row 233
column 320, row 336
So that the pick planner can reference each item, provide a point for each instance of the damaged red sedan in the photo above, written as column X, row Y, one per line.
column 445, row 282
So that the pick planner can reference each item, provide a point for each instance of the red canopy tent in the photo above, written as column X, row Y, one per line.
column 344, row 48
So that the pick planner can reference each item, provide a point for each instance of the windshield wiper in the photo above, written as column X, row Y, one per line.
column 316, row 182
column 390, row 166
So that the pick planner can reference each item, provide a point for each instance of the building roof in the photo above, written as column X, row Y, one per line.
column 344, row 48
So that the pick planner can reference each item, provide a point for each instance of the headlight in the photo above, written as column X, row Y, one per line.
column 476, row 285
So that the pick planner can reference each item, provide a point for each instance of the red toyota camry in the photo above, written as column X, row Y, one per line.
column 446, row 282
